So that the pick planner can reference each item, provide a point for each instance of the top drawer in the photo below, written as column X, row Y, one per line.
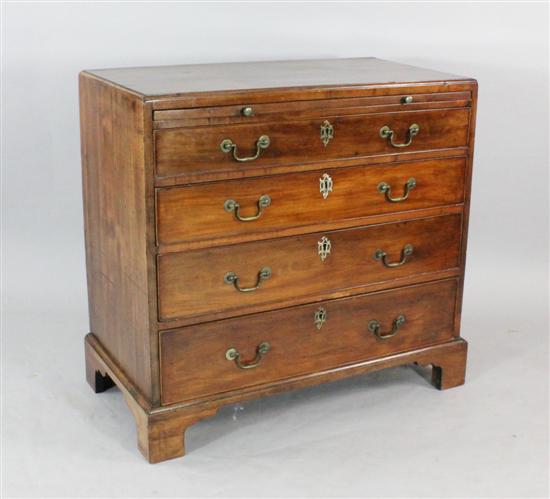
column 273, row 111
column 232, row 148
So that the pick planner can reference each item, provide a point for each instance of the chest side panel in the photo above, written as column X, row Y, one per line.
column 115, row 213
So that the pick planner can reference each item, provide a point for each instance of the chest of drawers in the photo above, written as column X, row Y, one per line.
column 258, row 227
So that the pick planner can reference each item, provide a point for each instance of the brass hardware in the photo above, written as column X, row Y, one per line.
column 387, row 133
column 323, row 248
column 233, row 278
column 234, row 355
column 385, row 188
column 319, row 317
column 407, row 99
column 247, row 111
column 327, row 132
column 228, row 146
column 374, row 327
column 231, row 206
column 325, row 185
column 405, row 253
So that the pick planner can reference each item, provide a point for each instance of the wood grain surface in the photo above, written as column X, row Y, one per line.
column 222, row 115
column 116, row 231
column 190, row 150
column 192, row 283
column 297, row 346
column 158, row 81
column 196, row 213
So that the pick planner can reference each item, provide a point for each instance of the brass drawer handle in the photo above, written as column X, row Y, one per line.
column 231, row 206
column 228, row 146
column 385, row 189
column 261, row 350
column 233, row 278
column 405, row 253
column 374, row 327
column 387, row 133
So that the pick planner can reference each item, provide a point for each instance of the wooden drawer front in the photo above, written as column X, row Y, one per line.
column 297, row 345
column 194, row 150
column 197, row 212
column 192, row 283
column 307, row 109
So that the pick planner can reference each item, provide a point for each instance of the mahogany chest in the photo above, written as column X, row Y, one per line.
column 258, row 227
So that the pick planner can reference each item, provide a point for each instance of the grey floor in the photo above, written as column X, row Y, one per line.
column 384, row 434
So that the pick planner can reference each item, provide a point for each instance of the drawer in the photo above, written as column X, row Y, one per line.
column 304, row 339
column 210, row 211
column 297, row 269
column 169, row 118
column 215, row 149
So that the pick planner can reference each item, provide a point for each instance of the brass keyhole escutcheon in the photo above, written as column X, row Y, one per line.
column 323, row 248
column 325, row 185
column 320, row 317
column 327, row 132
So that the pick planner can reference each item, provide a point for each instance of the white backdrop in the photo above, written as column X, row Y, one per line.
column 488, row 438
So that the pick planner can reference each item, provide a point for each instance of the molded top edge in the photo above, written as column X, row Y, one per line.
column 164, row 81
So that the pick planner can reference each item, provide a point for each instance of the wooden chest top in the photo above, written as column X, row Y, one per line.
column 169, row 81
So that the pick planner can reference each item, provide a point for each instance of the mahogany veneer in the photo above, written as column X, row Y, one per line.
column 337, row 248
column 191, row 214
column 295, row 265
column 190, row 150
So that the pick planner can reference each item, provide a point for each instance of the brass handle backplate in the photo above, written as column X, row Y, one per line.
column 234, row 355
column 231, row 206
column 233, row 278
column 374, row 327
column 228, row 146
column 405, row 253
column 385, row 189
column 387, row 133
